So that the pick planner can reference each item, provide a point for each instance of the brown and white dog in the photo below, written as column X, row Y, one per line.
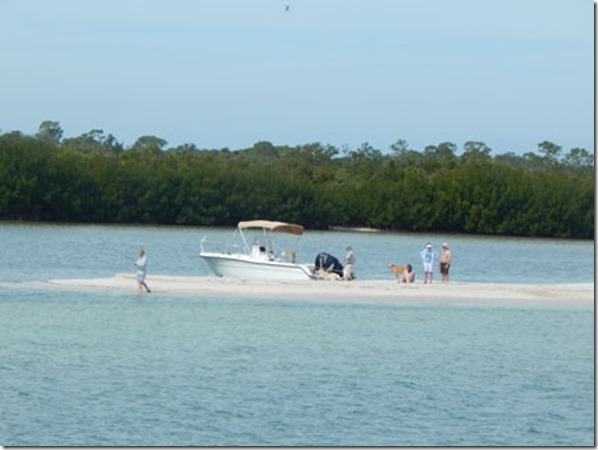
column 325, row 275
column 397, row 270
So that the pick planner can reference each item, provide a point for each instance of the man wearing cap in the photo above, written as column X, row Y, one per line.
column 445, row 262
column 428, row 257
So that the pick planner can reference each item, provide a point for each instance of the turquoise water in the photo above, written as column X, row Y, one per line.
column 123, row 369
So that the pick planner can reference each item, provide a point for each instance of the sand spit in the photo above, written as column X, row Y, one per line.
column 380, row 290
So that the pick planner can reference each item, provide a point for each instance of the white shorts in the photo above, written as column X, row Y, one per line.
column 140, row 277
column 347, row 270
column 428, row 267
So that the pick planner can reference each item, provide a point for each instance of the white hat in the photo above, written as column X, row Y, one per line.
column 445, row 245
column 429, row 246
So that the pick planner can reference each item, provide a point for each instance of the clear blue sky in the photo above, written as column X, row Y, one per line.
column 230, row 73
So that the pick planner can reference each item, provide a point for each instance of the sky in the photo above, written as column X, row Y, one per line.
column 230, row 73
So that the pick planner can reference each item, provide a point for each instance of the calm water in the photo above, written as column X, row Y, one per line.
column 98, row 369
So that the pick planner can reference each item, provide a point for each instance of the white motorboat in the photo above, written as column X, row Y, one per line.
column 261, row 259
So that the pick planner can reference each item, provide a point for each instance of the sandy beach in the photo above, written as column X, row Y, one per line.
column 358, row 290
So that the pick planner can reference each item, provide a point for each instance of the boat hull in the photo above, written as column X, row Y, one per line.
column 242, row 266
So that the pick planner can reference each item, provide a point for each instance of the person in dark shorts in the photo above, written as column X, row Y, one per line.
column 445, row 262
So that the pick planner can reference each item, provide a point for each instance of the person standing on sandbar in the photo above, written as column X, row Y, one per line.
column 141, row 264
column 428, row 257
column 445, row 262
column 349, row 262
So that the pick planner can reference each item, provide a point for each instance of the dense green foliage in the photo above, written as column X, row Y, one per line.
column 93, row 178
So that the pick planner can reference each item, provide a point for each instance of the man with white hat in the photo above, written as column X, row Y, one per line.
column 445, row 262
column 428, row 257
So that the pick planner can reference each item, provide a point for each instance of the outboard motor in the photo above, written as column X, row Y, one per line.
column 329, row 263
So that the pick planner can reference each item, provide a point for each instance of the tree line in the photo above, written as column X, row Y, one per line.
column 95, row 178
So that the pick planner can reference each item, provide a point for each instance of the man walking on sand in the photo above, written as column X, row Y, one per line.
column 141, row 264
column 428, row 257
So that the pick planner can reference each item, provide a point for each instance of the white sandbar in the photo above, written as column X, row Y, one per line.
column 381, row 290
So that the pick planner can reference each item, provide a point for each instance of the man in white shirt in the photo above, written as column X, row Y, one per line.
column 428, row 257
column 141, row 264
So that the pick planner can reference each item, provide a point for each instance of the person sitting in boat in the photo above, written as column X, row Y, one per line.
column 261, row 252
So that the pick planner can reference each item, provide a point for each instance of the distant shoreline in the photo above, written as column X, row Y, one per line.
column 359, row 290
column 13, row 222
column 355, row 229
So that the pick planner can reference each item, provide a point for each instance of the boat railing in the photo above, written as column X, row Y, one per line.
column 211, row 247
